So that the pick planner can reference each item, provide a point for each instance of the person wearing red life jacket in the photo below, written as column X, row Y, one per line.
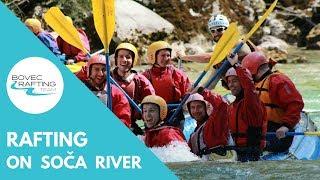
column 247, row 115
column 96, row 82
column 282, row 100
column 169, row 82
column 134, row 84
column 154, row 112
column 45, row 37
column 211, row 135
column 72, row 53
column 217, row 25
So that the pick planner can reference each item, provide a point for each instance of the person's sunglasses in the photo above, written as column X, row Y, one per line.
column 218, row 29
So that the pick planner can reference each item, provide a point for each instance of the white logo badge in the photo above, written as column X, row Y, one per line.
column 34, row 85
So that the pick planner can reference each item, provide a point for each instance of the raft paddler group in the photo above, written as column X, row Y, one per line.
column 265, row 100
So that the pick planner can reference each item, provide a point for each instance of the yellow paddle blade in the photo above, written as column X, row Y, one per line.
column 312, row 133
column 227, row 49
column 104, row 20
column 75, row 67
column 58, row 22
column 230, row 35
column 261, row 20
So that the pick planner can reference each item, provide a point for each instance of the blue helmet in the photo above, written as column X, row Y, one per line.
column 218, row 20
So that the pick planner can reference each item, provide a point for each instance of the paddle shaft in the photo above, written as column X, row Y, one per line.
column 296, row 133
column 222, row 48
column 98, row 52
column 253, row 29
column 179, row 108
column 209, row 151
column 109, row 102
column 225, row 66
column 173, row 105
column 223, row 69
column 199, row 79
column 135, row 106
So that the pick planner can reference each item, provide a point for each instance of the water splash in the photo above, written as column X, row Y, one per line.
column 175, row 152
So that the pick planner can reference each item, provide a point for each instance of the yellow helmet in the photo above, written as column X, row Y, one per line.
column 154, row 48
column 35, row 24
column 130, row 47
column 154, row 99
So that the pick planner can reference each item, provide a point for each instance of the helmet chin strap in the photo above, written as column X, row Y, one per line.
column 158, row 123
column 241, row 94
column 156, row 63
column 264, row 75
column 128, row 70
column 125, row 72
column 99, row 87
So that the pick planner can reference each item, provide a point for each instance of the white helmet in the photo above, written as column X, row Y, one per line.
column 198, row 97
column 218, row 20
column 231, row 72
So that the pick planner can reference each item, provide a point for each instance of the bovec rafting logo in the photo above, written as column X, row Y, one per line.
column 35, row 85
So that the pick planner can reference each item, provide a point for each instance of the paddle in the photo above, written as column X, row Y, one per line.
column 104, row 22
column 317, row 133
column 97, row 52
column 229, row 38
column 226, row 65
column 58, row 22
column 76, row 67
column 135, row 106
column 213, row 150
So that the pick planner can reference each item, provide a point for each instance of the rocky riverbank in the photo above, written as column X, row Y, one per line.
column 294, row 23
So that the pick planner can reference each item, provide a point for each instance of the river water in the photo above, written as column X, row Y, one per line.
column 307, row 79
column 292, row 169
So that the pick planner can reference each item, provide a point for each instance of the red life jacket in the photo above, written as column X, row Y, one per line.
column 162, row 136
column 196, row 141
column 73, row 52
column 239, row 126
column 216, row 130
column 274, row 112
column 164, row 85
column 131, row 87
column 128, row 87
column 213, row 133
column 120, row 104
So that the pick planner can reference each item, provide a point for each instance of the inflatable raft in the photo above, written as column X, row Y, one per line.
column 302, row 148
